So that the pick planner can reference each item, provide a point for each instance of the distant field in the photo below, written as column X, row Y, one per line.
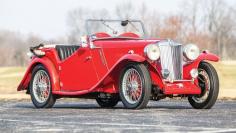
column 10, row 78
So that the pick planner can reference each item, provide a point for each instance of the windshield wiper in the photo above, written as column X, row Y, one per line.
column 109, row 27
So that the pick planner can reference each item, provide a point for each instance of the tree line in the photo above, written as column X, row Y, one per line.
column 208, row 23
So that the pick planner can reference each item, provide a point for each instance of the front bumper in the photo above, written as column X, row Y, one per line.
column 181, row 87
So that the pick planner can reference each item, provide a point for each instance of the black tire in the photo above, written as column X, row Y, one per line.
column 107, row 102
column 144, row 97
column 213, row 91
column 50, row 101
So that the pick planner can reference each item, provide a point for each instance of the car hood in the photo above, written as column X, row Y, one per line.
column 126, row 42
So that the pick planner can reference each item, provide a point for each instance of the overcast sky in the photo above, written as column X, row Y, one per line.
column 47, row 18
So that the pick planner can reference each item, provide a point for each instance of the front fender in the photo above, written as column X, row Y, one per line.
column 132, row 57
column 120, row 64
column 153, row 71
column 207, row 56
column 204, row 56
column 112, row 76
column 47, row 63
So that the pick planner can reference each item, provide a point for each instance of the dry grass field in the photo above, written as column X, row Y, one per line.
column 11, row 76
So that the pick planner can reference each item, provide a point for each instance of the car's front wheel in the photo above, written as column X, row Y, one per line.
column 135, row 86
column 209, row 83
column 40, row 88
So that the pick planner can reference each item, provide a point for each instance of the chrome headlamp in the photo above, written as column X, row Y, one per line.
column 152, row 51
column 191, row 52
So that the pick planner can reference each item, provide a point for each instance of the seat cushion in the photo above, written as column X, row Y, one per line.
column 64, row 51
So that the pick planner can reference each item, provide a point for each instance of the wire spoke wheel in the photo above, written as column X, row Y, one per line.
column 132, row 86
column 41, row 86
column 208, row 82
column 135, row 86
column 204, row 84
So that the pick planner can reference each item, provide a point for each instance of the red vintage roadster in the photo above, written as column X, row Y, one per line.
column 116, row 62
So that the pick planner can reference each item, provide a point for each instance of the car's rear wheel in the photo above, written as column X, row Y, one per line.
column 209, row 83
column 135, row 86
column 40, row 88
column 107, row 102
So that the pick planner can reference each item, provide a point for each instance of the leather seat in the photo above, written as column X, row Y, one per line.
column 64, row 51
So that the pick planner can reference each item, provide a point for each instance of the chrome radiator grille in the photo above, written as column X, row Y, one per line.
column 171, row 59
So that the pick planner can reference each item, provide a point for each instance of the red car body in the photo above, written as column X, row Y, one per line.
column 97, row 69
column 84, row 71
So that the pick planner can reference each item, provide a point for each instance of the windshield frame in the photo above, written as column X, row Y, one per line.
column 88, row 30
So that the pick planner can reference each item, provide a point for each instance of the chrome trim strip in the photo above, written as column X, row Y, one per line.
column 102, row 57
column 184, row 80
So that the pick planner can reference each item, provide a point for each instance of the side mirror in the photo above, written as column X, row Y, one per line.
column 84, row 41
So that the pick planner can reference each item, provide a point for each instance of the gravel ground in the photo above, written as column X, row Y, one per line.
column 86, row 116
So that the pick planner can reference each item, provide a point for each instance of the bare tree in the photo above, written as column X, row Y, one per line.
column 172, row 27
column 151, row 20
column 220, row 24
column 191, row 13
column 14, row 46
column 125, row 10
column 210, row 23
column 76, row 21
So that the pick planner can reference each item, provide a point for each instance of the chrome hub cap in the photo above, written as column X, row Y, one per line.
column 204, row 84
column 41, row 86
column 132, row 86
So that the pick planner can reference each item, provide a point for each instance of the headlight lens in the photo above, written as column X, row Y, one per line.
column 152, row 51
column 191, row 52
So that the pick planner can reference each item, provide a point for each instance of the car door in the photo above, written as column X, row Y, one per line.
column 99, row 60
column 77, row 72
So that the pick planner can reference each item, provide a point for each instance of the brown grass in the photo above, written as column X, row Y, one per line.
column 10, row 77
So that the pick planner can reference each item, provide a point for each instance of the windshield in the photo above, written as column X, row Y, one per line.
column 115, row 28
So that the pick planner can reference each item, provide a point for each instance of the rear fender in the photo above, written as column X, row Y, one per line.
column 47, row 63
